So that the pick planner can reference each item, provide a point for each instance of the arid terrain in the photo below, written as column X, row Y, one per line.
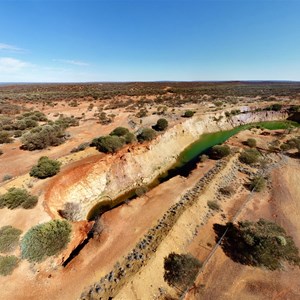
column 130, row 208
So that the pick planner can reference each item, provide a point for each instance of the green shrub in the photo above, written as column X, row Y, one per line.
column 108, row 144
column 219, row 151
column 249, row 156
column 161, row 125
column 275, row 107
column 65, row 122
column 119, row 131
column 147, row 134
column 44, row 240
column 141, row 113
column 214, row 205
column 25, row 124
column 181, row 270
column 226, row 190
column 285, row 147
column 188, row 114
column 34, row 115
column 45, row 167
column 8, row 264
column 257, row 184
column 9, row 238
column 42, row 137
column 129, row 138
column 260, row 244
column 18, row 133
column 251, row 143
column 104, row 119
column 5, row 137
column 126, row 136
column 16, row 197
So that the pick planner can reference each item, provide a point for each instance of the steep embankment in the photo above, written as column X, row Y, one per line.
column 113, row 175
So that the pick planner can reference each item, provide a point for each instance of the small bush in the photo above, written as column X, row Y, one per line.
column 45, row 167
column 70, row 211
column 108, row 144
column 188, row 114
column 249, row 156
column 65, row 122
column 119, row 131
column 214, row 205
column 44, row 240
column 226, row 190
column 16, row 197
column 219, row 151
column 5, row 137
column 275, row 107
column 9, row 238
column 6, row 177
column 181, row 270
column 161, row 125
column 147, row 134
column 141, row 113
column 42, row 137
column 104, row 119
column 129, row 138
column 141, row 190
column 126, row 136
column 8, row 264
column 25, row 124
column 81, row 147
column 34, row 115
column 204, row 158
column 251, row 143
column 257, row 184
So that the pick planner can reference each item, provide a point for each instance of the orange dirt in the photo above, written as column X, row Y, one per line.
column 224, row 279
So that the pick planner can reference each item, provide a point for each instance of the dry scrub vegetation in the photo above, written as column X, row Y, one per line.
column 46, row 128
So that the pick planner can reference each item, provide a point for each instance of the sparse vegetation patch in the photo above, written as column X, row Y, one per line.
column 16, row 197
column 260, row 244
column 9, row 238
column 8, row 264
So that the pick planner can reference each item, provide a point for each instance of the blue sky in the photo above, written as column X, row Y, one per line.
column 149, row 40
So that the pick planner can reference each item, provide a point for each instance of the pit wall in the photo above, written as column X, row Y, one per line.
column 116, row 174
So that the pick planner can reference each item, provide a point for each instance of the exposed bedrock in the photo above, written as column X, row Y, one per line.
column 108, row 177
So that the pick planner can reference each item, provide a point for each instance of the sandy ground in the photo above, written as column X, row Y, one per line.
column 126, row 224
column 98, row 256
column 149, row 284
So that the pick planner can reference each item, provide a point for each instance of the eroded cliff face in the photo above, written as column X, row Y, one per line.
column 113, row 175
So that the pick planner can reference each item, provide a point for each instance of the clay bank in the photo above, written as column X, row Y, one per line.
column 103, row 179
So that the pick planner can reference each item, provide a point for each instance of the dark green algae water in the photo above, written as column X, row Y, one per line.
column 188, row 160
